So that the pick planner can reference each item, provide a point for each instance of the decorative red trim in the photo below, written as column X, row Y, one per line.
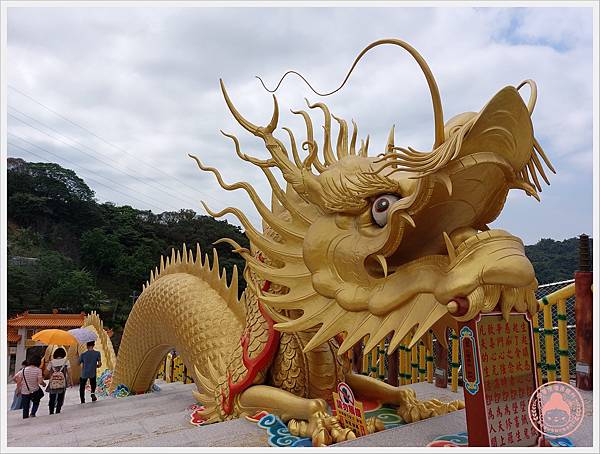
column 253, row 365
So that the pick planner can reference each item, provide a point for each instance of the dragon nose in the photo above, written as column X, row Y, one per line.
column 511, row 268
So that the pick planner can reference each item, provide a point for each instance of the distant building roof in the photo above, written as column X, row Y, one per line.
column 55, row 320
column 13, row 335
column 22, row 261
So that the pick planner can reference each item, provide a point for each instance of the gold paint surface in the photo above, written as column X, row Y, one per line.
column 353, row 244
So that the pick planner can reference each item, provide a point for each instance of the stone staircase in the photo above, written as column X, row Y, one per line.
column 155, row 419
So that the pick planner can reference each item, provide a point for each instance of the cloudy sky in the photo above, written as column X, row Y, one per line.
column 121, row 95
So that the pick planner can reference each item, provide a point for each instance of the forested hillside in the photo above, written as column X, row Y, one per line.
column 67, row 251
column 554, row 260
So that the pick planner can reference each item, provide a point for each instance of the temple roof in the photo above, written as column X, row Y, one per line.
column 13, row 335
column 55, row 320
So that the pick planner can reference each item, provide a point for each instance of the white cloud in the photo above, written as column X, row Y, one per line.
column 146, row 80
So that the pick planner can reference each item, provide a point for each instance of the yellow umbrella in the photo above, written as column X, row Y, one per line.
column 55, row 337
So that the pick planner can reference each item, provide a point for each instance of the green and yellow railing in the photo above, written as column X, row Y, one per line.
column 172, row 369
column 546, row 334
column 416, row 363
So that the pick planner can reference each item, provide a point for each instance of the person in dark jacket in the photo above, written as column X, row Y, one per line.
column 90, row 360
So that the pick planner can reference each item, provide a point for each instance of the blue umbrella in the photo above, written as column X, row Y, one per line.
column 83, row 335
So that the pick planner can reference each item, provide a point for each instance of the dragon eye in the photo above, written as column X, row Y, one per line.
column 380, row 208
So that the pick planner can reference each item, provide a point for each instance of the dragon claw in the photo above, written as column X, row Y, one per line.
column 412, row 410
column 325, row 429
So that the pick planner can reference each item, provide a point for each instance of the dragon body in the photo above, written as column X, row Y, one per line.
column 352, row 246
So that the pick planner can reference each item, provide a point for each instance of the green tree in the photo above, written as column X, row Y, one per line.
column 49, row 270
column 21, row 294
column 100, row 251
column 76, row 291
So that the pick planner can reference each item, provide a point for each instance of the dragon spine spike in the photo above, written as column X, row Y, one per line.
column 444, row 178
column 212, row 275
column 233, row 286
column 184, row 255
column 215, row 272
column 198, row 259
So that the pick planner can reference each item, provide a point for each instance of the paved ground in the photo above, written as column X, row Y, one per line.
column 162, row 419
column 156, row 419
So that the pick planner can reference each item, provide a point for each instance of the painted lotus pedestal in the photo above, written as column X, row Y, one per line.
column 498, row 366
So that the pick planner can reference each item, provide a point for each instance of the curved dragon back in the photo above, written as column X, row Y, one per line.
column 93, row 323
column 187, row 306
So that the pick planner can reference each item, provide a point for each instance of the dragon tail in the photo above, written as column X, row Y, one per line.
column 186, row 305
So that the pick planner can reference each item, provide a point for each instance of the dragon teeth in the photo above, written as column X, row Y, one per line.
column 476, row 299
column 532, row 303
column 484, row 298
column 510, row 297
column 521, row 303
column 492, row 295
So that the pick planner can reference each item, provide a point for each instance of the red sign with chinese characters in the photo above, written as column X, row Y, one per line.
column 350, row 412
column 499, row 378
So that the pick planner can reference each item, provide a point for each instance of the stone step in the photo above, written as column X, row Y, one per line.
column 155, row 419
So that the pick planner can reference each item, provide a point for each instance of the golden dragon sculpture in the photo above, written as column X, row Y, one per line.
column 354, row 245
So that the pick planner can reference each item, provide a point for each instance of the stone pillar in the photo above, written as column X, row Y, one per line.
column 21, row 350
column 583, row 316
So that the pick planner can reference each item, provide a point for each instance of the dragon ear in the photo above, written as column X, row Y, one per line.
column 502, row 127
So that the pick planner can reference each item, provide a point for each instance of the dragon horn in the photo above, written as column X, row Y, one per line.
column 256, row 130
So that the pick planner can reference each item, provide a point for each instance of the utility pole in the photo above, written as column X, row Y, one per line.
column 134, row 296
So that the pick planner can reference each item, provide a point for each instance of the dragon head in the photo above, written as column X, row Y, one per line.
column 398, row 242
